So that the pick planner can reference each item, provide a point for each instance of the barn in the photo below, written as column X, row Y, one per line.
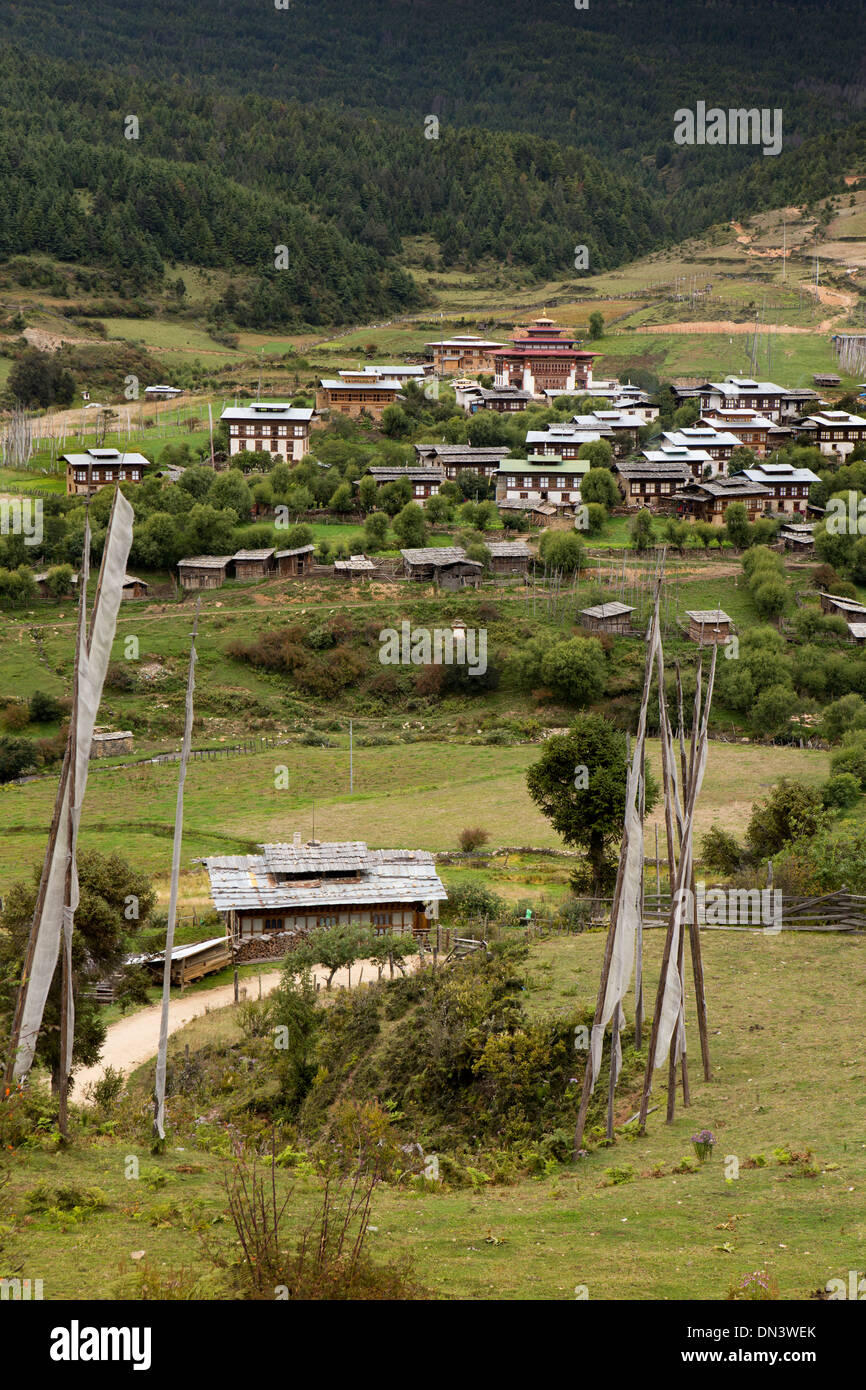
column 294, row 563
column 709, row 625
column 203, row 571
column 110, row 745
column 510, row 557
column 447, row 566
column 133, row 588
column 607, row 617
column 254, row 564
column 299, row 887
column 356, row 567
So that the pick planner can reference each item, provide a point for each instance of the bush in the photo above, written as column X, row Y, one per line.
column 851, row 758
column 44, row 709
column 474, row 900
column 473, row 837
column 841, row 791
column 575, row 670
column 721, row 852
column 16, row 717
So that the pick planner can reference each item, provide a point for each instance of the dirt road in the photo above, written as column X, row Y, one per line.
column 131, row 1041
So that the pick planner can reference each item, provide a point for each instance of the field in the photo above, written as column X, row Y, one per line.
column 622, row 1224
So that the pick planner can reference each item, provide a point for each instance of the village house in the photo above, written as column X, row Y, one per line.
column 541, row 359
column 566, row 440
column 541, row 479
column 698, row 461
column 719, row 444
column 458, row 458
column 87, row 472
column 502, row 399
column 744, row 393
column 652, row 482
column 203, row 571
column 538, row 513
column 365, row 394
column 510, row 557
column 706, row 626
column 788, row 486
column 41, row 582
column 133, row 588
column 448, row 567
column 162, row 393
column 276, row 427
column 622, row 427
column 834, row 431
column 755, row 432
column 111, row 745
column 425, row 480
column 301, row 887
column 254, row 564
column 857, row 634
column 611, row 617
column 463, row 355
column 402, row 372
column 616, row 396
column 708, row 499
column 825, row 379
column 292, row 564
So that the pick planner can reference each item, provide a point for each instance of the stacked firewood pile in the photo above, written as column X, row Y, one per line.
column 266, row 947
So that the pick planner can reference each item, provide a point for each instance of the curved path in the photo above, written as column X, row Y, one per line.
column 131, row 1041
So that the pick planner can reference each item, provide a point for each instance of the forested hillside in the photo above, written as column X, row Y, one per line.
column 274, row 144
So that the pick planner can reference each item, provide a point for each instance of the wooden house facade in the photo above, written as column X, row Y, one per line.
column 254, row 564
column 292, row 564
column 87, row 472
column 709, row 625
column 204, row 571
column 448, row 567
column 607, row 617
column 276, row 427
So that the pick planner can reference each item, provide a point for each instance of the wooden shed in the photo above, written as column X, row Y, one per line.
column 133, row 588
column 190, row 963
column 857, row 634
column 798, row 536
column 448, row 566
column 709, row 625
column 607, row 617
column 356, row 567
column 203, row 571
column 292, row 563
column 254, row 564
column 848, row 607
column 510, row 557
column 109, row 745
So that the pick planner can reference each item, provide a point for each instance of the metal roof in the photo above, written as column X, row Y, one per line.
column 248, row 882
column 206, row 562
column 301, row 550
column 704, row 615
column 438, row 555
column 607, row 610
column 507, row 550
column 253, row 554
column 267, row 410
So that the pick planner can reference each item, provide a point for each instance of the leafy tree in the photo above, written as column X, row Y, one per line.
column 596, row 324
column 790, row 811
column 721, row 852
column 599, row 485
column 472, row 484
column 38, row 379
column 439, row 510
column 230, row 490
column 44, row 709
column 376, row 531
column 842, row 715
column 575, row 670
column 773, row 708
column 841, row 791
column 410, row 526
column 600, row 455
column 367, row 489
column 342, row 500
column 16, row 757
column 737, row 525
column 641, row 530
column 851, row 757
column 396, row 424
column 561, row 550
column 590, row 816
column 110, row 889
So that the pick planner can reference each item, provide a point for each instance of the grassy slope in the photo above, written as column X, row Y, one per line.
column 777, row 1082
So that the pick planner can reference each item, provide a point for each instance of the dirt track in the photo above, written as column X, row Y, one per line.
column 131, row 1041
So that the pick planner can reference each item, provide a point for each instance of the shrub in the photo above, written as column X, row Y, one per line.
column 841, row 791
column 851, row 757
column 473, row 837
column 16, row 717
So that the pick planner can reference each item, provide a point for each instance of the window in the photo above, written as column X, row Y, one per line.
column 135, row 475
column 511, row 482
column 123, row 475
column 560, row 482
column 544, row 482
column 282, row 429
column 783, row 492
column 664, row 487
column 299, row 431
column 273, row 924
column 635, row 489
column 233, row 429
column 381, row 919
column 326, row 921
column 650, row 487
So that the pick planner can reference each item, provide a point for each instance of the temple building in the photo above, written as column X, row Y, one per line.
column 541, row 359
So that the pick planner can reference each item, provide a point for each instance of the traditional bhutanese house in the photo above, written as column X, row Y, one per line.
column 834, row 431
column 617, row 396
column 356, row 567
column 459, row 458
column 510, row 557
column 203, row 571
column 622, row 427
column 254, row 564
column 698, row 461
column 848, row 607
column 824, row 379
column 651, row 482
column 541, row 478
column 709, row 499
column 110, row 745
column 796, row 401
column 743, row 393
column 719, row 444
column 788, row 486
column 755, row 432
column 133, row 588
column 87, row 472
column 365, row 394
column 502, row 399
column 293, row 563
column 541, row 359
column 162, row 393
column 857, row 634
column 425, row 481
column 565, row 441
column 276, row 427
column 798, row 536
column 607, row 617
column 710, row 625
column 402, row 372
column 463, row 355
column 300, row 887
column 448, row 566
